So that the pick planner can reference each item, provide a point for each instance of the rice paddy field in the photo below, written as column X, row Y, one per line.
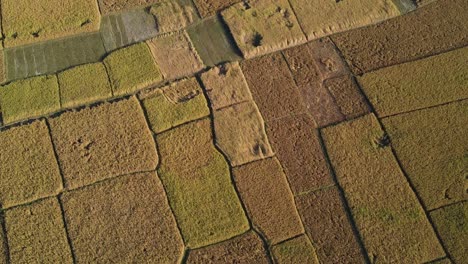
column 234, row 131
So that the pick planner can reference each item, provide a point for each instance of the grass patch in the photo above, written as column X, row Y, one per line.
column 131, row 69
column 197, row 181
column 74, row 91
column 26, row 22
column 263, row 26
column 29, row 98
column 36, row 233
column 297, row 250
column 176, row 104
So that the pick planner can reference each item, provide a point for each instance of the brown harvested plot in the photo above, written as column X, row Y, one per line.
column 325, row 221
column 173, row 15
column 263, row 26
column 36, row 233
column 226, row 85
column 451, row 224
column 176, row 104
column 102, row 142
column 246, row 248
column 420, row 84
column 26, row 21
column 84, row 84
column 175, row 55
column 29, row 98
column 296, row 250
column 297, row 145
column 387, row 213
column 28, row 168
column 131, row 69
column 240, row 133
column 198, row 184
column 123, row 220
column 269, row 202
column 432, row 147
column 109, row 6
column 330, row 94
column 211, row 7
column 381, row 45
column 273, row 87
column 212, row 42
column 319, row 18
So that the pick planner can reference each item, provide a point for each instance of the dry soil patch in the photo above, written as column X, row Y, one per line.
column 28, row 168
column 36, row 233
column 325, row 221
column 103, row 141
column 387, row 213
column 264, row 189
column 176, row 104
column 246, row 248
column 84, row 84
column 451, row 225
column 419, row 84
column 381, row 45
column 296, row 250
column 197, row 180
column 273, row 87
column 240, row 133
column 297, row 145
column 263, row 26
column 175, row 55
column 123, row 220
column 226, row 85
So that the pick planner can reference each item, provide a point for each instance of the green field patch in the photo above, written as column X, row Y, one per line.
column 387, row 213
column 380, row 45
column 29, row 170
column 198, row 184
column 269, row 80
column 52, row 56
column 36, row 233
column 104, row 219
column 296, row 250
column 131, row 69
column 111, row 6
column 326, row 223
column 240, row 133
column 420, row 84
column 103, row 141
column 320, row 18
column 176, row 104
column 174, row 15
column 452, row 227
column 246, row 248
column 84, row 84
column 226, row 85
column 264, row 189
column 263, row 26
column 26, row 22
column 2, row 67
column 122, row 29
column 431, row 146
column 209, row 8
column 28, row 98
column 212, row 42
column 175, row 55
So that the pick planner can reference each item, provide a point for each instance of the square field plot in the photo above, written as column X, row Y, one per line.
column 126, row 220
column 36, row 233
column 29, row 98
column 131, row 69
column 263, row 26
column 28, row 169
column 84, row 84
column 27, row 21
column 102, row 142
